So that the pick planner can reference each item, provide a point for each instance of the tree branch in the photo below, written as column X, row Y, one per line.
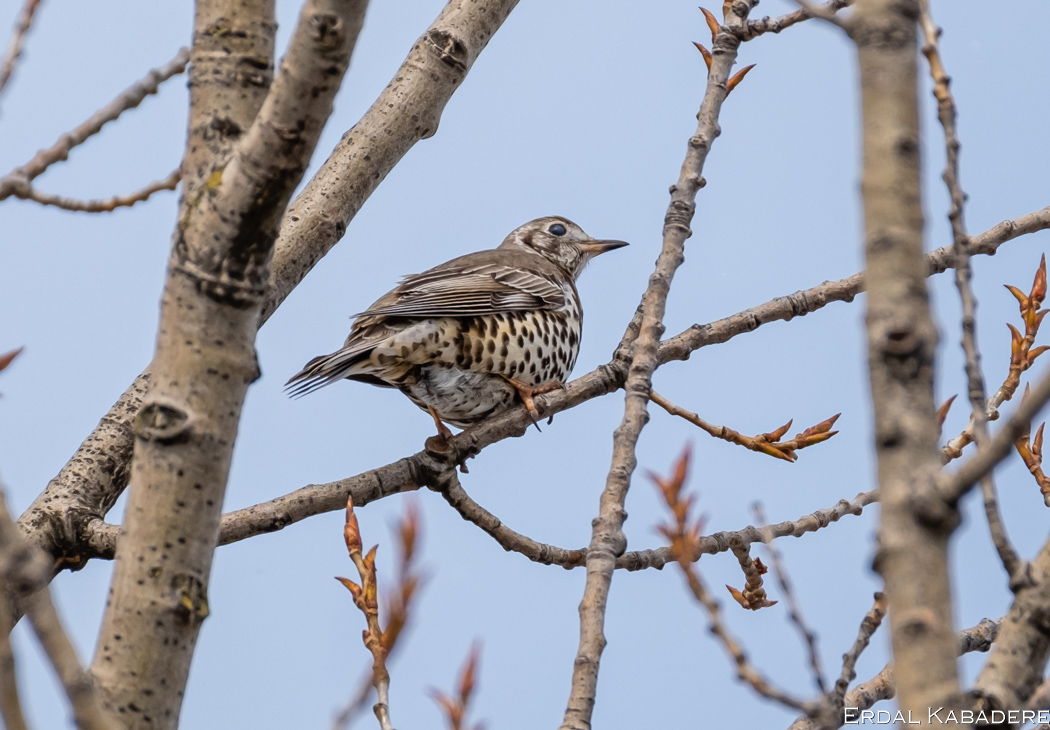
column 93, row 479
column 108, row 205
column 18, row 36
column 18, row 181
column 946, row 113
column 883, row 686
column 1015, row 667
column 607, row 538
column 205, row 357
column 912, row 556
column 66, row 519
column 24, row 570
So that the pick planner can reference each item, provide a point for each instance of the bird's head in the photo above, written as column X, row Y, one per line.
column 560, row 241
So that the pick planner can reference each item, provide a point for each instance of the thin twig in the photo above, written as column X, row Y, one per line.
column 19, row 179
column 100, row 206
column 868, row 627
column 794, row 609
column 946, row 113
column 883, row 686
column 682, row 533
column 775, row 25
column 14, row 46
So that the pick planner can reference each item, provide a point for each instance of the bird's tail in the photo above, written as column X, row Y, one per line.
column 322, row 371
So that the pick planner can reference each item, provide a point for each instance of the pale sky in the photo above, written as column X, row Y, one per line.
column 577, row 108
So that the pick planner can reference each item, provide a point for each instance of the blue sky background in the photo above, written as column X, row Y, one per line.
column 581, row 109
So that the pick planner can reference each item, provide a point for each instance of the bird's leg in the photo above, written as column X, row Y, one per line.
column 528, row 392
column 442, row 442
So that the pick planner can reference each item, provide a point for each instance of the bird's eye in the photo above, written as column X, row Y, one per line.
column 557, row 229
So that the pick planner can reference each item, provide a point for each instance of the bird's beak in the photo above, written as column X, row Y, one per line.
column 594, row 248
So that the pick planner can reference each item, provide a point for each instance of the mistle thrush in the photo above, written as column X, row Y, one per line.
column 464, row 338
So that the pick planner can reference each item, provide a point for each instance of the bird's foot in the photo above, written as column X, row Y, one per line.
column 528, row 392
column 442, row 442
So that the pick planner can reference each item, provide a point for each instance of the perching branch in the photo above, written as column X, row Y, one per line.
column 405, row 112
column 67, row 518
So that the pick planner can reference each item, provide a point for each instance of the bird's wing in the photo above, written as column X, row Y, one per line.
column 464, row 291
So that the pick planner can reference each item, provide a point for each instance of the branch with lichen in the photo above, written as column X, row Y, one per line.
column 764, row 443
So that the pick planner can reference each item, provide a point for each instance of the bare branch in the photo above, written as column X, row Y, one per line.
column 14, row 46
column 794, row 609
column 108, row 205
column 1015, row 667
column 883, row 685
column 946, row 113
column 784, row 308
column 17, row 182
column 607, row 538
column 912, row 555
column 868, row 627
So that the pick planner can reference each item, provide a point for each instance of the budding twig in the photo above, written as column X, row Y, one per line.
column 380, row 642
column 753, row 597
column 455, row 708
column 1022, row 357
column 1032, row 453
column 683, row 534
column 766, row 443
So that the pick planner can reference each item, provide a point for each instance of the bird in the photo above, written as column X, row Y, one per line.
column 468, row 339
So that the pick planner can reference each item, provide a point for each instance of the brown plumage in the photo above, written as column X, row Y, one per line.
column 464, row 338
